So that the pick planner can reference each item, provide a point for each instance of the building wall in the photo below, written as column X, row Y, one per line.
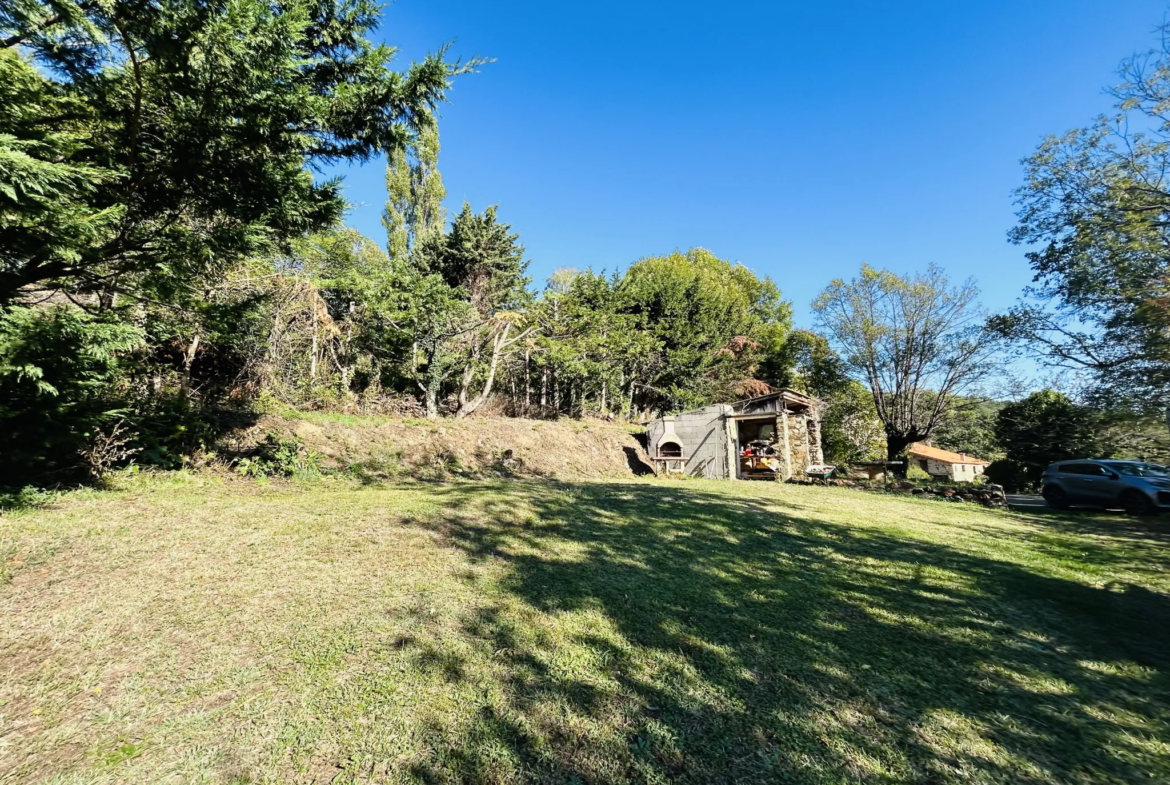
column 703, row 436
column 958, row 472
column 798, row 443
column 707, row 439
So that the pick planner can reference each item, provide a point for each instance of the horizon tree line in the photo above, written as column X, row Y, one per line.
column 167, row 253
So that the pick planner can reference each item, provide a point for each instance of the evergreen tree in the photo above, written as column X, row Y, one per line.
column 158, row 144
column 457, row 299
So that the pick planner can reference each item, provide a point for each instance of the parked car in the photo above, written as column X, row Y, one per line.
column 1139, row 488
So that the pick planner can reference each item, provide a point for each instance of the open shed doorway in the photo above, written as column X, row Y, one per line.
column 759, row 449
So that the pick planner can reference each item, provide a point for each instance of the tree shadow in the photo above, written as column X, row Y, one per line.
column 737, row 639
column 638, row 467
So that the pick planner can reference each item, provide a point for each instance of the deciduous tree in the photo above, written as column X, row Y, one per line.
column 1095, row 205
column 916, row 341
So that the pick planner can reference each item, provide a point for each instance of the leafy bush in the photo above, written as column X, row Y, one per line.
column 1013, row 475
column 280, row 457
column 916, row 472
column 171, row 430
column 60, row 381
column 26, row 498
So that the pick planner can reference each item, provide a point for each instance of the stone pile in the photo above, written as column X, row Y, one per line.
column 989, row 494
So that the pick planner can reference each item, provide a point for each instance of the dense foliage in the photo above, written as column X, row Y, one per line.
column 1043, row 428
column 1096, row 204
column 969, row 426
column 61, row 377
column 169, row 252
column 156, row 168
column 150, row 147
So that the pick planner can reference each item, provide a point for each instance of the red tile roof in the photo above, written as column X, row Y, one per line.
column 943, row 456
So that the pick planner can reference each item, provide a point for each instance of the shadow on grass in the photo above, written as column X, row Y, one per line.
column 735, row 639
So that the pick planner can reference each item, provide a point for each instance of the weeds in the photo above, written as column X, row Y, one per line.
column 280, row 457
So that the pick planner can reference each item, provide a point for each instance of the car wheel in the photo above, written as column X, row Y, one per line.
column 1056, row 498
column 1136, row 503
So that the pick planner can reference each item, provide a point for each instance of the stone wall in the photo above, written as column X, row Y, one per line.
column 798, row 443
column 987, row 494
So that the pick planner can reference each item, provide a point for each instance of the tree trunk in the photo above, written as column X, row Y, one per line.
column 544, row 391
column 527, row 379
column 431, row 398
column 188, row 359
column 896, row 445
column 603, row 402
column 467, row 378
column 313, row 358
column 430, row 383
column 466, row 407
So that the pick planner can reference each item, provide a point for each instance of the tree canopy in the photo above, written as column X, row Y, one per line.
column 146, row 145
column 1096, row 204
column 916, row 341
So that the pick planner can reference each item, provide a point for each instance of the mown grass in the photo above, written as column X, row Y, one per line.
column 193, row 629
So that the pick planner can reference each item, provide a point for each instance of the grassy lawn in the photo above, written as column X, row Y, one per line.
column 191, row 629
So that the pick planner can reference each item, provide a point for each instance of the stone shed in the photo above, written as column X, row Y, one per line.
column 774, row 436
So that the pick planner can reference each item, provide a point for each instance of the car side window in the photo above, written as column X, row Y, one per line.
column 1091, row 469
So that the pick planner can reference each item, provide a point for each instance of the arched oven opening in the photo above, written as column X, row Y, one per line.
column 670, row 450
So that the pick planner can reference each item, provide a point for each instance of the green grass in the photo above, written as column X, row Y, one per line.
column 193, row 629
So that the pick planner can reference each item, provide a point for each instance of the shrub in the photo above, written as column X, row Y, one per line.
column 171, row 430
column 916, row 472
column 280, row 457
column 1011, row 474
column 60, row 374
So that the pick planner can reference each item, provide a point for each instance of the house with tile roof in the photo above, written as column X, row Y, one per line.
column 944, row 464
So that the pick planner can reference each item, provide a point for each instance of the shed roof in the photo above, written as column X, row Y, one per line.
column 921, row 450
column 788, row 396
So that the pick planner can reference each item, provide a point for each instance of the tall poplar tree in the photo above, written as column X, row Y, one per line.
column 414, row 207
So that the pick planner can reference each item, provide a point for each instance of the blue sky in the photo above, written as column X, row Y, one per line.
column 799, row 139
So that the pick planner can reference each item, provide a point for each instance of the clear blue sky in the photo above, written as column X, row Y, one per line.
column 799, row 139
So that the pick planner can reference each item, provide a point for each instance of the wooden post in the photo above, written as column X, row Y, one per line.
column 787, row 446
column 731, row 444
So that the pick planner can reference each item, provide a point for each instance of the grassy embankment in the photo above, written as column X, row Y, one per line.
column 195, row 629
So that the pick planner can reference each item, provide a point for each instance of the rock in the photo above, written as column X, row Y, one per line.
column 918, row 491
column 905, row 485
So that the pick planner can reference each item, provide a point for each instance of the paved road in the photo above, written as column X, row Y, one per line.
column 1025, row 501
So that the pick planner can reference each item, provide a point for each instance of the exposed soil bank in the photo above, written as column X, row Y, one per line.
column 382, row 447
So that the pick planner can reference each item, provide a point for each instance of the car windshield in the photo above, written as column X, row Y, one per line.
column 1140, row 469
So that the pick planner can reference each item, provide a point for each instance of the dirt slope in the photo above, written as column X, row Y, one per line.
column 386, row 447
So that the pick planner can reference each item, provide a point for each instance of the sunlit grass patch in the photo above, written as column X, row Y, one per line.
column 209, row 629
